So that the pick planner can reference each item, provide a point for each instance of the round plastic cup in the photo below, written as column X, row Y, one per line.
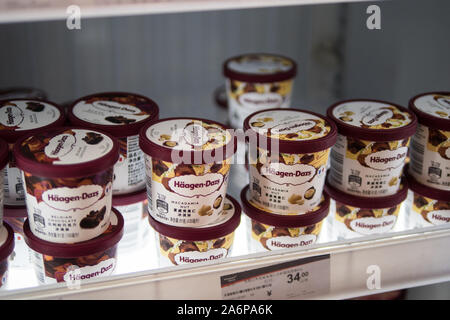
column 187, row 164
column 68, row 174
column 133, row 208
column 430, row 146
column 268, row 231
column 288, row 152
column 20, row 118
column 256, row 82
column 180, row 245
column 372, row 146
column 356, row 216
column 6, row 248
column 429, row 206
column 73, row 263
column 122, row 115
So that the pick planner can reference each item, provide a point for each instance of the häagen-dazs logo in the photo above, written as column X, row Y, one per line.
column 386, row 159
column 439, row 217
column 115, row 107
column 104, row 268
column 60, row 145
column 195, row 134
column 377, row 117
column 293, row 126
column 371, row 225
column 192, row 186
column 196, row 256
column 12, row 116
column 286, row 242
column 66, row 199
column 254, row 100
column 281, row 173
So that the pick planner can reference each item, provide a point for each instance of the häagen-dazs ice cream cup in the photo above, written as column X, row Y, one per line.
column 187, row 164
column 368, row 157
column 122, row 115
column 288, row 154
column 68, row 175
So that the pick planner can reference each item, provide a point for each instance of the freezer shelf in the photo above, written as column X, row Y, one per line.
column 406, row 258
column 44, row 10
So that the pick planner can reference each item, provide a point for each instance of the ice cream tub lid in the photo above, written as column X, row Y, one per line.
column 128, row 199
column 66, row 152
column 15, row 211
column 187, row 140
column 228, row 224
column 429, row 192
column 4, row 154
column 432, row 109
column 121, row 114
column 6, row 241
column 369, row 202
column 284, row 221
column 260, row 67
column 294, row 130
column 21, row 117
column 107, row 240
column 372, row 120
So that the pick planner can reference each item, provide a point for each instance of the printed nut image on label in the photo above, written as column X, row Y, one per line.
column 287, row 182
column 257, row 82
column 184, row 193
column 122, row 115
column 432, row 205
column 18, row 118
column 364, row 160
column 366, row 216
column 181, row 245
column 430, row 147
column 82, row 261
column 270, row 231
column 68, row 177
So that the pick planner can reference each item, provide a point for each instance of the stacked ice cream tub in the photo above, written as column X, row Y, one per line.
column 288, row 152
column 429, row 170
column 188, row 162
column 367, row 161
column 20, row 117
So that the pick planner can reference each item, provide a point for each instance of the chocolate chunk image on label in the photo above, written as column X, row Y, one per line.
column 120, row 120
column 354, row 145
column 93, row 219
column 92, row 138
column 444, row 152
column 35, row 106
column 436, row 137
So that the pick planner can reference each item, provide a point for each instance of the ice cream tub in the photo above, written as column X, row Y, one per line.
column 74, row 263
column 430, row 146
column 15, row 217
column 187, row 166
column 357, row 216
column 122, row 115
column 181, row 245
column 372, row 146
column 133, row 208
column 68, row 175
column 288, row 152
column 257, row 81
column 268, row 231
column 20, row 118
column 6, row 248
column 430, row 206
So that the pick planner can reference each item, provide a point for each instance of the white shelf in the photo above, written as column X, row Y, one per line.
column 406, row 258
column 43, row 10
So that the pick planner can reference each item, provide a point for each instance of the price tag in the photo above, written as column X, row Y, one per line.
column 302, row 278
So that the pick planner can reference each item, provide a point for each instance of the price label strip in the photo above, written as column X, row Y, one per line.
column 301, row 278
